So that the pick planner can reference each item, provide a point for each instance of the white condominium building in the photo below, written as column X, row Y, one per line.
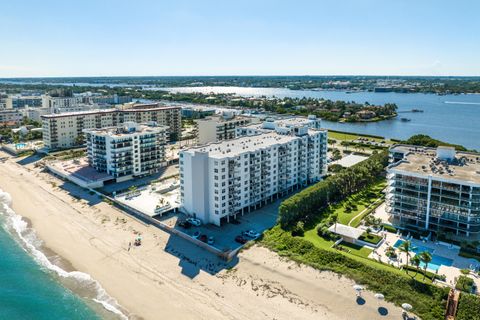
column 435, row 191
column 127, row 151
column 65, row 130
column 57, row 104
column 220, row 127
column 285, row 125
column 220, row 180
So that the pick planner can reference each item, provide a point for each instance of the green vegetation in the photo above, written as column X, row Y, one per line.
column 370, row 238
column 464, row 284
column 427, row 141
column 342, row 135
column 70, row 154
column 360, row 251
column 404, row 84
column 309, row 204
column 428, row 300
column 468, row 307
column 7, row 134
column 469, row 249
column 389, row 228
column 349, row 208
column 326, row 109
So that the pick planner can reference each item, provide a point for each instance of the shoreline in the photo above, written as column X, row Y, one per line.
column 167, row 276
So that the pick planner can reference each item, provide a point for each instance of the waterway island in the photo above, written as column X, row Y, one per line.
column 339, row 111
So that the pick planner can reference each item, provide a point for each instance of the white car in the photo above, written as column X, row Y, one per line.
column 211, row 240
column 194, row 222
column 251, row 234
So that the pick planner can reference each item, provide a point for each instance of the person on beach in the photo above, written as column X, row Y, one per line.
column 129, row 245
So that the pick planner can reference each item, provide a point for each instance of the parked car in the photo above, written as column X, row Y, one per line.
column 211, row 240
column 184, row 224
column 196, row 234
column 194, row 222
column 241, row 239
column 251, row 234
column 203, row 238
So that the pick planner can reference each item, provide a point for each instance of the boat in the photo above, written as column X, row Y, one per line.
column 417, row 110
column 405, row 119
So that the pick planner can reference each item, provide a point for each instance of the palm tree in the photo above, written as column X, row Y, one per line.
column 416, row 262
column 406, row 247
column 425, row 257
column 335, row 220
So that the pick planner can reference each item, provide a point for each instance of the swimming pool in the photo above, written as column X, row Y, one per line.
column 436, row 262
column 20, row 145
column 414, row 248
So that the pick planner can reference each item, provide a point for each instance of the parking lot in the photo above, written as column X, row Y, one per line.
column 258, row 220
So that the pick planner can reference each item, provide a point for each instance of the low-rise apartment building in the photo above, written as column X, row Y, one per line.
column 65, row 130
column 434, row 191
column 220, row 127
column 127, row 151
column 221, row 180
column 10, row 117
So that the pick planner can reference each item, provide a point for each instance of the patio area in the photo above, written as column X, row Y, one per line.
column 445, row 258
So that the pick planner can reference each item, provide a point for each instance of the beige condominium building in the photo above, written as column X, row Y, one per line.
column 434, row 191
column 65, row 130
column 128, row 150
column 223, row 179
column 220, row 127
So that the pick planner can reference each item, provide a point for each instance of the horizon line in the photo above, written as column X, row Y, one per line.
column 240, row 76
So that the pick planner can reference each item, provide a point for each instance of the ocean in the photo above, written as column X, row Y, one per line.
column 33, row 288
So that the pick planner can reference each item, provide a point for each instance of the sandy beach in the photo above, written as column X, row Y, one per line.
column 168, row 277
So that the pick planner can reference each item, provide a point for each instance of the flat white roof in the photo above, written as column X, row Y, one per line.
column 235, row 147
column 345, row 231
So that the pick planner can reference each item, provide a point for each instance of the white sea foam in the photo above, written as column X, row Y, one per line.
column 30, row 242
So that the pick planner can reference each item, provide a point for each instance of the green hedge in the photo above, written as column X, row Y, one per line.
column 468, row 307
column 469, row 254
column 428, row 300
column 389, row 228
column 465, row 284
column 310, row 202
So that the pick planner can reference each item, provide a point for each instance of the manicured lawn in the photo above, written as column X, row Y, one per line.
column 353, row 205
column 355, row 249
column 339, row 136
column 370, row 238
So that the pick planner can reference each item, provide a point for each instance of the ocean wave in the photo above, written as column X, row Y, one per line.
column 30, row 243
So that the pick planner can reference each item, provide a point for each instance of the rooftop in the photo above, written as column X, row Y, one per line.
column 442, row 162
column 136, row 108
column 345, row 231
column 224, row 118
column 127, row 129
column 235, row 147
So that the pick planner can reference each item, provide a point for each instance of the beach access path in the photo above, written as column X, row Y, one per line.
column 167, row 277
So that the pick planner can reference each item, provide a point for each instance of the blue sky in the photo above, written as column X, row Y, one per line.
column 241, row 37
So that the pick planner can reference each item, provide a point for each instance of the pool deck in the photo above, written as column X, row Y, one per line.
column 443, row 250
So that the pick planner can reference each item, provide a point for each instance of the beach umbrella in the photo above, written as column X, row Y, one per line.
column 357, row 287
column 379, row 296
column 407, row 306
